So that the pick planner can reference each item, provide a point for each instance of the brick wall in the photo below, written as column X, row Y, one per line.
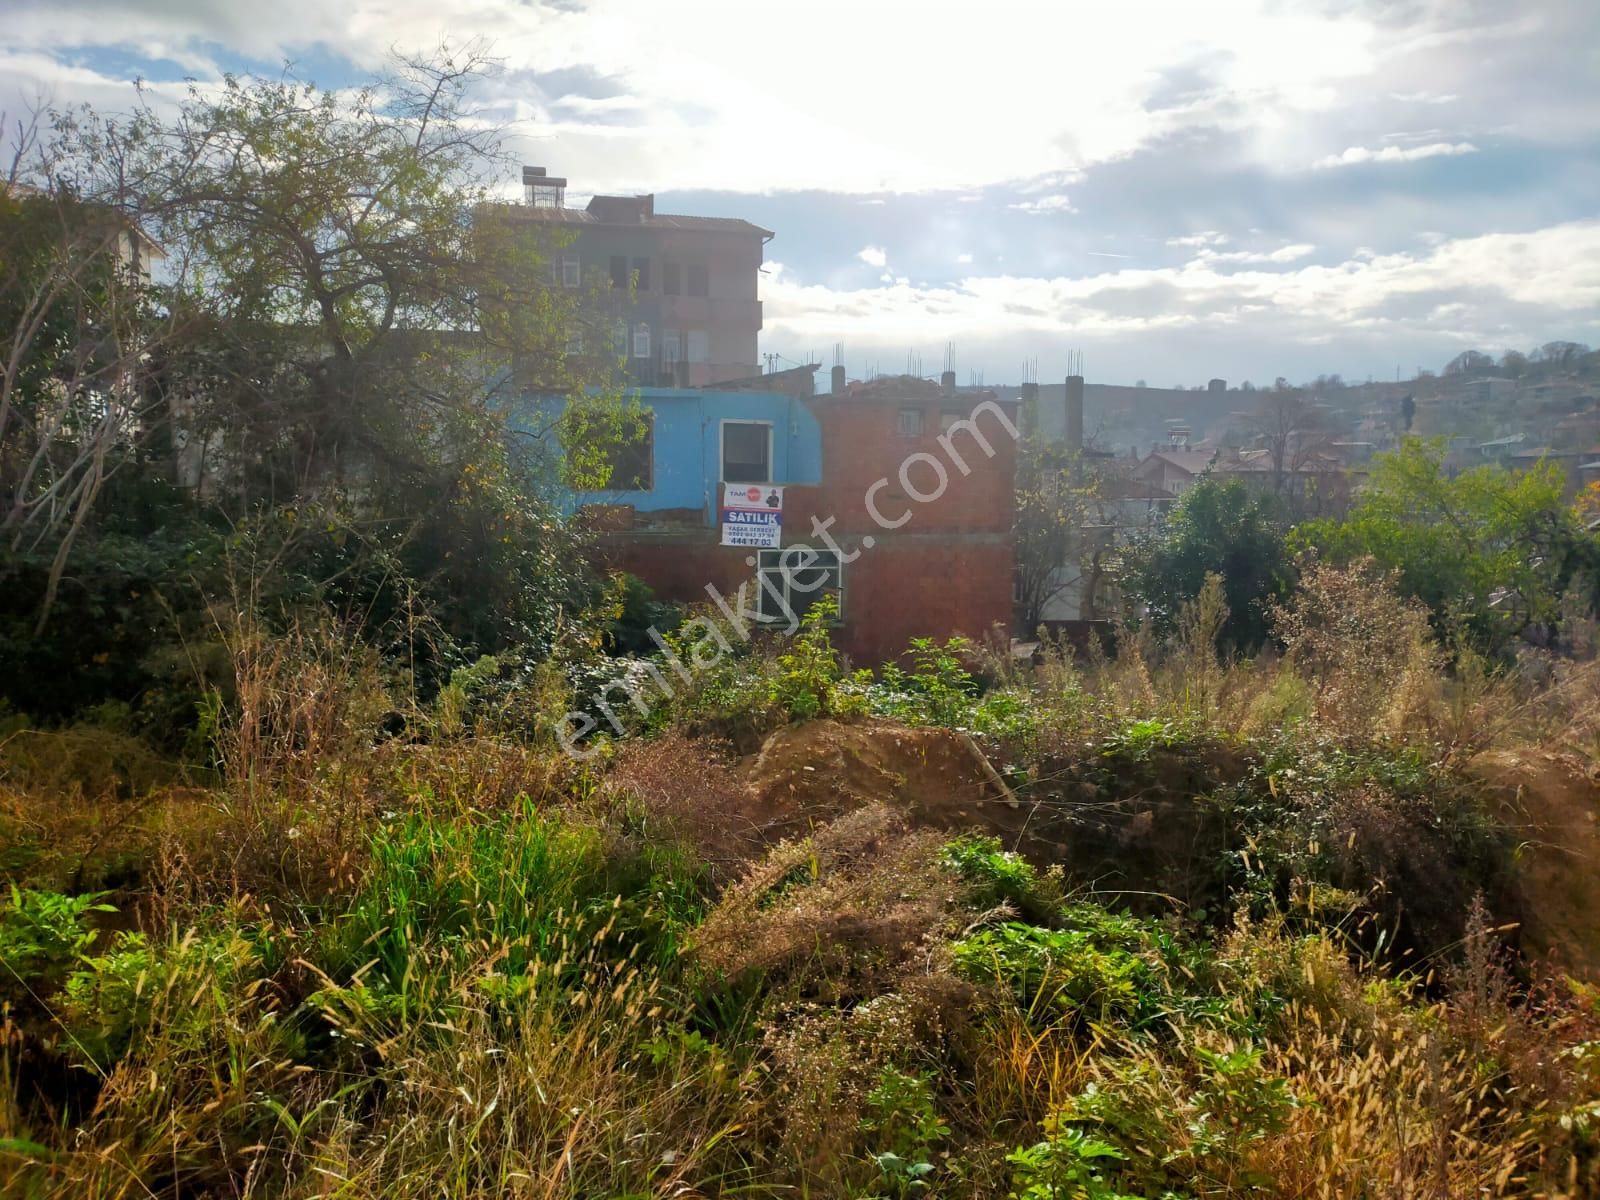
column 861, row 443
column 946, row 571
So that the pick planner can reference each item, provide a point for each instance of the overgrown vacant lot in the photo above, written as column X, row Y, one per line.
column 1149, row 926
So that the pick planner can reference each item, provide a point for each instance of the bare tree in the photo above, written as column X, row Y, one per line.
column 79, row 331
column 1057, row 542
column 1293, row 434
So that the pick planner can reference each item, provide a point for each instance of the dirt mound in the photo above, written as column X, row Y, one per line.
column 1130, row 827
column 1553, row 801
column 807, row 774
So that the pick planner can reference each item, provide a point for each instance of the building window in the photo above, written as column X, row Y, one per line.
column 699, row 280
column 619, row 270
column 671, row 278
column 746, row 452
column 670, row 352
column 910, row 422
column 571, row 271
column 791, row 580
column 641, row 340
column 697, row 346
column 641, row 274
column 949, row 418
column 574, row 341
column 619, row 339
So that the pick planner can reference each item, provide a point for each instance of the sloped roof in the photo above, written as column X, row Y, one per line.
column 1192, row 461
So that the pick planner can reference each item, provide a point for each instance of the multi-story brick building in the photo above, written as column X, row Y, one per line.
column 694, row 313
column 900, row 489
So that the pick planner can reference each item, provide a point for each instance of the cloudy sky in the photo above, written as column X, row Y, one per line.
column 1177, row 189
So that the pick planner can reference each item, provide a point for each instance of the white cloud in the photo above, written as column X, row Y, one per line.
column 964, row 258
column 1045, row 205
column 1496, row 289
column 1208, row 237
column 873, row 256
column 1356, row 155
column 1283, row 254
column 695, row 105
column 1424, row 97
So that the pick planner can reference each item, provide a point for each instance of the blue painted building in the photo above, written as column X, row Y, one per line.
column 699, row 439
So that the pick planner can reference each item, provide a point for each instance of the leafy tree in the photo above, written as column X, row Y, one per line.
column 1220, row 528
column 1491, row 552
column 360, row 316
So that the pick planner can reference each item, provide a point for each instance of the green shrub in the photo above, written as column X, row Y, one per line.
column 938, row 690
column 901, row 1118
column 137, row 991
column 43, row 932
column 1067, row 1165
column 1060, row 972
column 1001, row 876
column 809, row 682
column 1202, row 1123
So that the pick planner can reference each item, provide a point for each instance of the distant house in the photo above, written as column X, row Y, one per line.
column 1501, row 449
column 1490, row 391
column 1174, row 471
column 908, row 542
column 1316, row 478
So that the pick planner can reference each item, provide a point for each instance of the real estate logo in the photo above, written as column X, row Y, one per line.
column 752, row 515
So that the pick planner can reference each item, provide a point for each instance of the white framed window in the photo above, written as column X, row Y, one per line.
column 794, row 578
column 910, row 422
column 669, row 347
column 746, row 452
column 574, row 341
column 641, row 340
column 571, row 271
column 698, row 346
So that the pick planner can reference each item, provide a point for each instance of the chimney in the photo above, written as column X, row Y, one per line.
column 838, row 380
column 1074, row 412
column 947, row 383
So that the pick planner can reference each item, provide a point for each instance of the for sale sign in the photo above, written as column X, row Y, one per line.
column 752, row 515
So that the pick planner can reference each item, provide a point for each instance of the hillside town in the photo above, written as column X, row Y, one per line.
column 686, row 315
column 504, row 697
